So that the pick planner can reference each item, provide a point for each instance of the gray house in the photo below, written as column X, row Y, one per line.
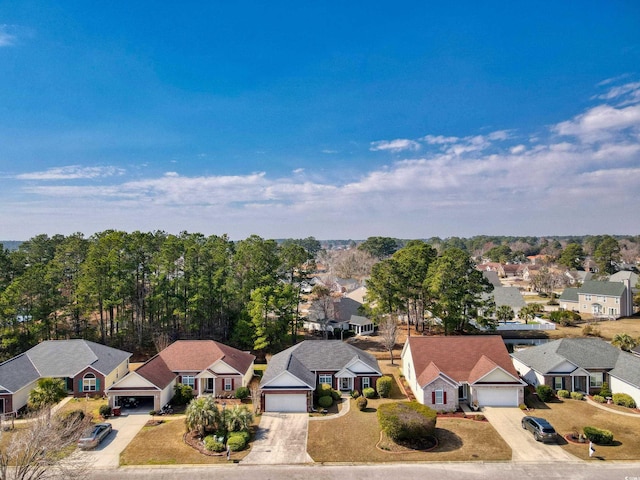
column 581, row 365
column 293, row 375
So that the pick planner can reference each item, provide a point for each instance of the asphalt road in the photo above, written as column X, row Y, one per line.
column 441, row 471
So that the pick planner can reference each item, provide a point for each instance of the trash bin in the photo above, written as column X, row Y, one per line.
column 116, row 411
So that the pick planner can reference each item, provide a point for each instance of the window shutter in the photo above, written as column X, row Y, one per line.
column 80, row 385
column 444, row 397
column 433, row 398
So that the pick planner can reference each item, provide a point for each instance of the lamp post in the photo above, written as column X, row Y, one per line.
column 224, row 422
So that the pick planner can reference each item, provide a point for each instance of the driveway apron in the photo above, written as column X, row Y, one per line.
column 508, row 423
column 281, row 439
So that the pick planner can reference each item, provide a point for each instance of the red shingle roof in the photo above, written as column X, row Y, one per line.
column 464, row 358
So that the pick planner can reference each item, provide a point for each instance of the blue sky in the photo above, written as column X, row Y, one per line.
column 330, row 119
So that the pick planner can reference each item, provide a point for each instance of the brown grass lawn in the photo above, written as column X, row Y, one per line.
column 569, row 415
column 607, row 329
column 163, row 445
column 90, row 406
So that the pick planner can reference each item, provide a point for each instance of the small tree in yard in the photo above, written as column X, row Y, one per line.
column 388, row 331
column 545, row 393
column 47, row 393
column 383, row 386
column 38, row 451
column 407, row 421
column 202, row 415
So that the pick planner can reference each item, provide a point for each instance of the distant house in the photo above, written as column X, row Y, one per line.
column 599, row 298
column 361, row 325
column 87, row 368
column 209, row 367
column 492, row 277
column 293, row 375
column 580, row 365
column 509, row 296
column 444, row 372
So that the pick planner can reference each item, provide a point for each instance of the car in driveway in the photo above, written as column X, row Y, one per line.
column 541, row 429
column 92, row 438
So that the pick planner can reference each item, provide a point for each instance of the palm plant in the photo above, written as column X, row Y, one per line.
column 202, row 414
column 237, row 418
column 504, row 313
column 624, row 341
column 48, row 392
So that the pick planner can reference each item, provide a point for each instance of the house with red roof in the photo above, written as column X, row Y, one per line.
column 444, row 372
column 209, row 367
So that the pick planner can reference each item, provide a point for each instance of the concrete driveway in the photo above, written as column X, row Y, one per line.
column 281, row 439
column 508, row 423
column 125, row 427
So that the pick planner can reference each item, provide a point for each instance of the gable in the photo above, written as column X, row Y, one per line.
column 133, row 381
column 563, row 367
column 497, row 375
column 286, row 380
column 221, row 367
column 358, row 366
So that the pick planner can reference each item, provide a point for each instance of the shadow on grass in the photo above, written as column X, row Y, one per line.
column 447, row 441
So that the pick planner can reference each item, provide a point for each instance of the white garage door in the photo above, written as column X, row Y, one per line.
column 498, row 397
column 285, row 402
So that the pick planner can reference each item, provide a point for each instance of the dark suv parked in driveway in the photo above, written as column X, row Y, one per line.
column 541, row 429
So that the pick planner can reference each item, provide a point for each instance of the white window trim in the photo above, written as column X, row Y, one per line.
column 366, row 382
column 440, row 393
column 323, row 377
column 191, row 380
column 89, row 380
column 228, row 384
column 593, row 379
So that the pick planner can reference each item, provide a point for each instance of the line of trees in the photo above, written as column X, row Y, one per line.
column 127, row 289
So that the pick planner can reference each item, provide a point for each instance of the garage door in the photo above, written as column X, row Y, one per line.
column 289, row 402
column 498, row 397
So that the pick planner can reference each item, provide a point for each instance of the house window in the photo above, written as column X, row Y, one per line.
column 366, row 382
column 617, row 301
column 595, row 380
column 189, row 380
column 228, row 384
column 600, row 298
column 325, row 378
column 439, row 397
column 89, row 383
column 587, row 298
column 557, row 383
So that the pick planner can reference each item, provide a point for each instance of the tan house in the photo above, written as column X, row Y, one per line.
column 599, row 298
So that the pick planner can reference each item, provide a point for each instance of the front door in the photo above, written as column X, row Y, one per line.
column 1, row 405
column 345, row 384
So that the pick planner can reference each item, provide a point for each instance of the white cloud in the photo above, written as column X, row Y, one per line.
column 439, row 139
column 8, row 36
column 72, row 172
column 601, row 122
column 518, row 149
column 621, row 90
column 397, row 145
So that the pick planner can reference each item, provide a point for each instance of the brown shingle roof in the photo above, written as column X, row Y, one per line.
column 463, row 358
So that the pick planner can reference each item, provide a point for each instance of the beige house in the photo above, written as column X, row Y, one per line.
column 599, row 298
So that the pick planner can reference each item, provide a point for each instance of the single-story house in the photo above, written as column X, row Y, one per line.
column 87, row 368
column 444, row 372
column 580, row 365
column 361, row 325
column 293, row 375
column 509, row 296
column 207, row 366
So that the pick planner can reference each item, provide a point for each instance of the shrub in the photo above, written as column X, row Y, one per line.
column 522, row 406
column 407, row 420
column 590, row 331
column 369, row 392
column 152, row 412
column 361, row 403
column 563, row 393
column 182, row 394
column 598, row 435
column 336, row 395
column 355, row 393
column 544, row 393
column 605, row 391
column 624, row 399
column 236, row 443
column 105, row 411
column 325, row 401
column 599, row 399
column 577, row 395
column 211, row 444
column 242, row 392
column 383, row 385
column 324, row 389
column 242, row 433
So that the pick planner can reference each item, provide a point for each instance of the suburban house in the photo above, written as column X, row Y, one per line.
column 207, row 366
column 444, row 372
column 339, row 313
column 361, row 325
column 293, row 375
column 599, row 298
column 580, row 365
column 87, row 368
column 509, row 296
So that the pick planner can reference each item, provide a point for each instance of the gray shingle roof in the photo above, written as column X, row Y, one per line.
column 310, row 356
column 358, row 320
column 569, row 295
column 510, row 296
column 59, row 358
column 627, row 369
column 611, row 289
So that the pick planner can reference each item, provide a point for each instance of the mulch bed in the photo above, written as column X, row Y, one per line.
column 194, row 441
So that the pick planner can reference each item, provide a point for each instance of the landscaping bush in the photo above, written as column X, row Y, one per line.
column 182, row 394
column 355, row 393
column 242, row 392
column 599, row 399
column 211, row 444
column 605, row 391
column 564, row 317
column 545, row 393
column 383, row 385
column 577, row 395
column 598, row 435
column 368, row 392
column 361, row 403
column 336, row 395
column 242, row 433
column 324, row 389
column 325, row 401
column 403, row 421
column 236, row 443
column 563, row 393
column 624, row 399
column 105, row 411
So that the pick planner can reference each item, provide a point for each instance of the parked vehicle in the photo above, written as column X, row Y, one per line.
column 93, row 438
column 130, row 402
column 541, row 429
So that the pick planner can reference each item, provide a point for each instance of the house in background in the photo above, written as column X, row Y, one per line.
column 361, row 325
column 444, row 372
column 599, row 298
column 580, row 365
column 207, row 366
column 509, row 296
column 87, row 368
column 293, row 375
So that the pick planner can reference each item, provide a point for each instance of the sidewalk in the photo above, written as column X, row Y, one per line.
column 611, row 410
